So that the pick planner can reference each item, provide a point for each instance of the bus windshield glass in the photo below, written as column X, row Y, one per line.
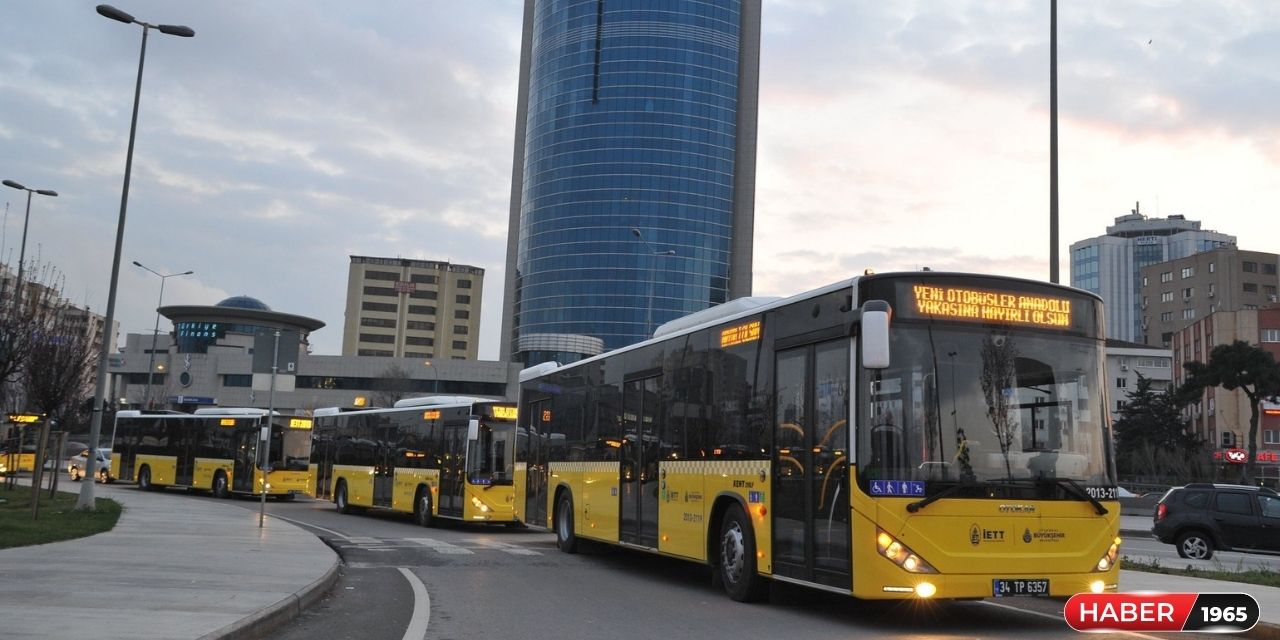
column 983, row 404
column 290, row 448
column 491, row 458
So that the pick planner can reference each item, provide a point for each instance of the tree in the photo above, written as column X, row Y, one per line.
column 59, row 362
column 22, row 328
column 1151, row 435
column 392, row 385
column 1242, row 366
column 999, row 359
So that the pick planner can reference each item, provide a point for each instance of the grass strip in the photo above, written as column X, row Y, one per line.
column 1261, row 576
column 58, row 519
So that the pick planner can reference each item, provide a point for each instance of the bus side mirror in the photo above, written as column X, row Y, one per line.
column 473, row 429
column 874, row 334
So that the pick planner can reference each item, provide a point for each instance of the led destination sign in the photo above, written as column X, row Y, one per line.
column 740, row 334
column 979, row 305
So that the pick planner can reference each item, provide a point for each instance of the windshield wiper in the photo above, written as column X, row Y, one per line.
column 1072, row 487
column 949, row 491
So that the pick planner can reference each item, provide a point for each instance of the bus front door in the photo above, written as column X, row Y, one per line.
column 534, row 449
column 453, row 468
column 246, row 458
column 384, row 469
column 810, row 506
column 638, row 471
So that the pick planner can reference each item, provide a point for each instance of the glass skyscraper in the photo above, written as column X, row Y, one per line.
column 634, row 176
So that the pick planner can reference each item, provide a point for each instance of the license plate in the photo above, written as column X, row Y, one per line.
column 1001, row 588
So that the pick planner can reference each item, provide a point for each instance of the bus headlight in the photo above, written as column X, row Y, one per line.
column 1109, row 560
column 484, row 508
column 900, row 554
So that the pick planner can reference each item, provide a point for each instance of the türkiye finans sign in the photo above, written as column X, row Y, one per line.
column 976, row 305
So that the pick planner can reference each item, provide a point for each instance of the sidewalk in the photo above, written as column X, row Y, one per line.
column 173, row 567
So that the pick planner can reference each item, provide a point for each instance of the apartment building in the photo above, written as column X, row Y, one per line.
column 1176, row 293
column 405, row 308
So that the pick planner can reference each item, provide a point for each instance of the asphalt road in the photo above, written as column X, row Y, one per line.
column 1149, row 549
column 403, row 581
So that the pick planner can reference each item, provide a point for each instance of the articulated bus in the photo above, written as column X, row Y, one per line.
column 449, row 457
column 892, row 436
column 215, row 450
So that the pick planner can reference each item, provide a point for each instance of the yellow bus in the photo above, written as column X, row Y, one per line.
column 448, row 457
column 891, row 436
column 216, row 450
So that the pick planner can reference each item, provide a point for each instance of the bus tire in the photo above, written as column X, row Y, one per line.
column 736, row 558
column 340, row 499
column 144, row 479
column 565, row 538
column 422, row 508
column 220, row 489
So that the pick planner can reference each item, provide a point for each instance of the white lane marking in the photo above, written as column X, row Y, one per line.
column 441, row 546
column 312, row 526
column 507, row 548
column 1058, row 618
column 417, row 629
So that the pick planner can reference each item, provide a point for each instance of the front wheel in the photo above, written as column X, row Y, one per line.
column 144, row 479
column 565, row 538
column 340, row 499
column 737, row 558
column 1195, row 545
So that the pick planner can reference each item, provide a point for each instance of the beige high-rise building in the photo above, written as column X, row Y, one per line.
column 404, row 308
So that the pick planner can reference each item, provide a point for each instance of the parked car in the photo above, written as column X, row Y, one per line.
column 1202, row 518
column 77, row 464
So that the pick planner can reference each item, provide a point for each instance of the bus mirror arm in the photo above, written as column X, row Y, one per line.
column 873, row 333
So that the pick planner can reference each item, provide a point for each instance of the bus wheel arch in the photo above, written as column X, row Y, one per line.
column 422, row 505
column 562, row 521
column 735, row 555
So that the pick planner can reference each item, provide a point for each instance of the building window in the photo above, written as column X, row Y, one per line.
column 464, row 284
column 1166, row 339
column 424, row 295
column 1188, row 272
column 422, row 278
column 1211, row 267
column 374, row 352
column 1188, row 293
column 380, row 291
column 459, row 330
column 384, row 323
column 463, row 299
column 237, row 380
column 381, row 275
column 422, row 310
column 1188, row 314
column 418, row 325
column 460, row 345
column 1271, row 436
column 1167, row 316
column 378, row 306
column 1166, row 296
column 1121, row 383
column 461, row 314
column 416, row 354
column 1270, row 335
column 1250, row 287
column 1249, row 267
column 421, row 342
column 378, row 338
column 1167, row 276
column 1119, row 405
column 1268, row 268
column 1269, row 289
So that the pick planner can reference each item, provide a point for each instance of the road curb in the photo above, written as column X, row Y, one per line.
column 273, row 617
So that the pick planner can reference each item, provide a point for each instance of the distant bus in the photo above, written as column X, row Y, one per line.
column 18, row 449
column 961, row 450
column 214, row 450
column 444, row 457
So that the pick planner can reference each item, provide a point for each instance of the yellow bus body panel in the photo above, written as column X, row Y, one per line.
column 972, row 542
column 313, row 473
column 20, row 462
column 164, row 469
column 747, row 481
column 683, row 511
column 359, row 484
column 599, row 501
column 499, row 499
column 569, row 476
column 406, row 486
column 283, row 482
column 206, row 468
column 114, row 472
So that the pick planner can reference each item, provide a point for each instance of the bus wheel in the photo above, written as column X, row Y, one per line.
column 737, row 558
column 422, row 508
column 565, row 538
column 220, row 485
column 340, row 499
column 74, row 473
column 144, row 479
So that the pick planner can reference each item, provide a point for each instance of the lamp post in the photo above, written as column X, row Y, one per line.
column 22, row 253
column 653, row 267
column 435, row 377
column 85, row 501
column 151, row 361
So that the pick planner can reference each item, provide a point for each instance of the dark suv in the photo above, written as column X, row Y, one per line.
column 1200, row 518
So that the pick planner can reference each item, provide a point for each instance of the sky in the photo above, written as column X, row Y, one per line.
column 288, row 135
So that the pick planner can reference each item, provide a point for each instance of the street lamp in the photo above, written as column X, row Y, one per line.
column 435, row 377
column 653, row 267
column 85, row 501
column 22, row 253
column 151, row 361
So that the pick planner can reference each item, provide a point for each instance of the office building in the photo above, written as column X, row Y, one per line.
column 403, row 308
column 1126, row 362
column 1109, row 265
column 633, row 181
column 1176, row 293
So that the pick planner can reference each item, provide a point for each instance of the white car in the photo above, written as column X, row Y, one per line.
column 77, row 464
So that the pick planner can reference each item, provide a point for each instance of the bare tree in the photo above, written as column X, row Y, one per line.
column 59, row 363
column 999, row 359
column 22, row 327
column 392, row 385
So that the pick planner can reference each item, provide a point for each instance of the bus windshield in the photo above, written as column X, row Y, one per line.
column 290, row 448
column 491, row 458
column 962, row 404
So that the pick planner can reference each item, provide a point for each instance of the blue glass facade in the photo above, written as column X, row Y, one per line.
column 631, row 122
